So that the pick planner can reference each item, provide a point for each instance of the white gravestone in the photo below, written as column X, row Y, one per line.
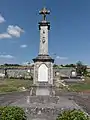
column 73, row 74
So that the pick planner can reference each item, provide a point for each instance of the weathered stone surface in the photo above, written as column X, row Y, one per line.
column 43, row 40
column 49, row 111
column 49, row 64
column 42, row 91
column 48, row 89
column 17, row 72
column 44, row 107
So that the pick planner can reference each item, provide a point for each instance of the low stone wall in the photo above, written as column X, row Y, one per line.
column 65, row 71
column 16, row 73
column 24, row 72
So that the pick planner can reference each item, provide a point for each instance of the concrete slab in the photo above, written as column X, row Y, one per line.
column 48, row 110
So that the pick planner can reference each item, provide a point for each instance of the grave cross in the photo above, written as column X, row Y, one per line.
column 44, row 12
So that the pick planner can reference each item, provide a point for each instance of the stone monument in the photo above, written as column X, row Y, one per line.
column 43, row 102
column 43, row 63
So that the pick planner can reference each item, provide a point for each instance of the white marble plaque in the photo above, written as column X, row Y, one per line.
column 43, row 73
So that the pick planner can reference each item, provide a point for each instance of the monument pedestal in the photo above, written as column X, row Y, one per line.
column 43, row 70
column 42, row 89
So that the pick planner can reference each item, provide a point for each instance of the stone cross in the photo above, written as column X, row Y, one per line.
column 44, row 12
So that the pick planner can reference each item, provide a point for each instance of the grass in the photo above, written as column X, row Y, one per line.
column 80, row 87
column 10, row 85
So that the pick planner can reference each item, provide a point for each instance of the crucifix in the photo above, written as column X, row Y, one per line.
column 44, row 12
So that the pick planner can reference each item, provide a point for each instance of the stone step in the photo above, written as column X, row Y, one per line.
column 44, row 99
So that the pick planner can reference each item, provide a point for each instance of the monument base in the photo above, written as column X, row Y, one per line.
column 42, row 89
column 44, row 107
column 43, row 69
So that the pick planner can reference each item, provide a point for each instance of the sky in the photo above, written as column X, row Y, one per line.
column 69, row 36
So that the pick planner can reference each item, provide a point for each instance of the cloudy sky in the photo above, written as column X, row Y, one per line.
column 69, row 37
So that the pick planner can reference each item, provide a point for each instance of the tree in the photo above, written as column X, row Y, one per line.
column 81, row 69
column 6, row 64
column 70, row 65
column 55, row 66
column 61, row 65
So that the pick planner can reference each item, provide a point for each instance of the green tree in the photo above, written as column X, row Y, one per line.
column 61, row 65
column 55, row 66
column 70, row 65
column 81, row 69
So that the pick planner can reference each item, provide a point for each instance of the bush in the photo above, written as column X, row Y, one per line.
column 12, row 113
column 73, row 115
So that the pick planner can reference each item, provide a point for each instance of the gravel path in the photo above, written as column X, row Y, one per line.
column 83, row 100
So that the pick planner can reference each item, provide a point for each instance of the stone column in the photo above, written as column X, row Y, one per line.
column 44, row 28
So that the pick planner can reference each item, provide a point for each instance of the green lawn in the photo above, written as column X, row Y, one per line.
column 84, row 86
column 10, row 85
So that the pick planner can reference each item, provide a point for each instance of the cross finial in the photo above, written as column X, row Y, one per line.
column 44, row 12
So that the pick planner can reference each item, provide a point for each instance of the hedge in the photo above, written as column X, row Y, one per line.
column 73, row 115
column 12, row 113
